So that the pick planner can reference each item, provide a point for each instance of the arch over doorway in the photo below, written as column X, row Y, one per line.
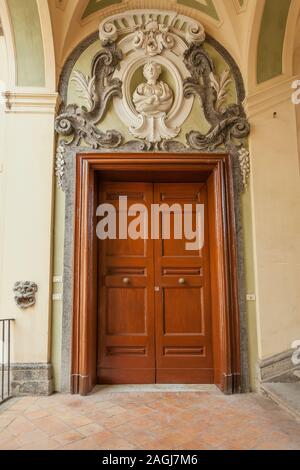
column 78, row 140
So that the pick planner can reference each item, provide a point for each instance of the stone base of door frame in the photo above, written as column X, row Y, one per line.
column 31, row 379
column 273, row 367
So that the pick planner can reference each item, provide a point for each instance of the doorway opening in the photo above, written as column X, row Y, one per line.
column 147, row 310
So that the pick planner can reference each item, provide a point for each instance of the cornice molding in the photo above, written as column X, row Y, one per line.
column 266, row 98
column 30, row 103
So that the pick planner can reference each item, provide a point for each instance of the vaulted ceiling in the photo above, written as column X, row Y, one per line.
column 257, row 33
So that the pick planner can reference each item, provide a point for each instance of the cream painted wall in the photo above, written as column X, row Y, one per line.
column 275, row 184
column 3, row 80
column 26, row 238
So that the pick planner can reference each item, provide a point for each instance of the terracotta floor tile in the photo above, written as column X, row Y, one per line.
column 147, row 420
column 102, row 436
column 90, row 429
column 105, row 405
column 113, row 411
column 114, row 421
column 140, row 439
column 36, row 414
column 33, row 436
column 86, row 443
column 5, row 421
column 51, row 425
column 195, row 444
column 212, row 438
column 76, row 421
column 67, row 437
column 45, row 444
column 10, row 444
column 19, row 426
column 116, row 444
column 271, row 445
column 5, row 435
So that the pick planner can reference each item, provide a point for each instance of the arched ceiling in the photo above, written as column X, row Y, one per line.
column 271, row 38
column 226, row 20
column 205, row 6
column 253, row 31
column 296, row 58
column 30, row 67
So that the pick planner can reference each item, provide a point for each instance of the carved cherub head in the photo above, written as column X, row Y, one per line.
column 152, row 71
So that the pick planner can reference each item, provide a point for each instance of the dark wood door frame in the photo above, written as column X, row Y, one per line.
column 223, row 258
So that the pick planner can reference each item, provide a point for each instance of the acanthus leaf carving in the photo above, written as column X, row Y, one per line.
column 80, row 122
column 85, row 87
column 220, row 86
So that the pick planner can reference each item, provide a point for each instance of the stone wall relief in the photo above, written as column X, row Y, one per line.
column 24, row 292
column 154, row 111
column 152, row 101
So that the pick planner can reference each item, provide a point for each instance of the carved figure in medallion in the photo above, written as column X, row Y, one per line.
column 153, row 100
column 153, row 97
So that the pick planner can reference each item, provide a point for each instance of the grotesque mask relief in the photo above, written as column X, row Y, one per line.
column 24, row 292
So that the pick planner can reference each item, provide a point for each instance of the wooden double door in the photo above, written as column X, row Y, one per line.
column 154, row 303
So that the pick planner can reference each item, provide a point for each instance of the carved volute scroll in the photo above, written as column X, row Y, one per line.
column 155, row 111
column 228, row 125
column 80, row 122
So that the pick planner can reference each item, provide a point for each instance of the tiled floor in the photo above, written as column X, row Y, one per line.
column 147, row 420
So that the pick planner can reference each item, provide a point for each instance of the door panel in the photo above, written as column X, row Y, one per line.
column 156, row 326
column 126, row 299
column 183, row 317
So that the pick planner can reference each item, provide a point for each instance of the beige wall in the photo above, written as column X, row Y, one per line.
column 275, row 185
column 26, row 214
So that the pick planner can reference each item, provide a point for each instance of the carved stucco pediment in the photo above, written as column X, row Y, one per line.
column 155, row 111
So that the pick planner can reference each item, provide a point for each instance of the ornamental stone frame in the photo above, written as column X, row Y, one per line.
column 229, row 131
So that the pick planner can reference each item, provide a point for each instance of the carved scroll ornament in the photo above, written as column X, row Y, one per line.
column 228, row 125
column 128, row 45
column 80, row 122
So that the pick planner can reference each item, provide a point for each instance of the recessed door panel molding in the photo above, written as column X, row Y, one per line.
column 183, row 308
column 126, row 299
column 181, row 313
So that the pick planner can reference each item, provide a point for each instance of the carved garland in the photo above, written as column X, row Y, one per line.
column 228, row 124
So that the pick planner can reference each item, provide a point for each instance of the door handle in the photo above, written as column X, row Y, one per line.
column 126, row 280
column 181, row 280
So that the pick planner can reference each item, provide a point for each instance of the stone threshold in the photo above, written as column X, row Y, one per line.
column 157, row 388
